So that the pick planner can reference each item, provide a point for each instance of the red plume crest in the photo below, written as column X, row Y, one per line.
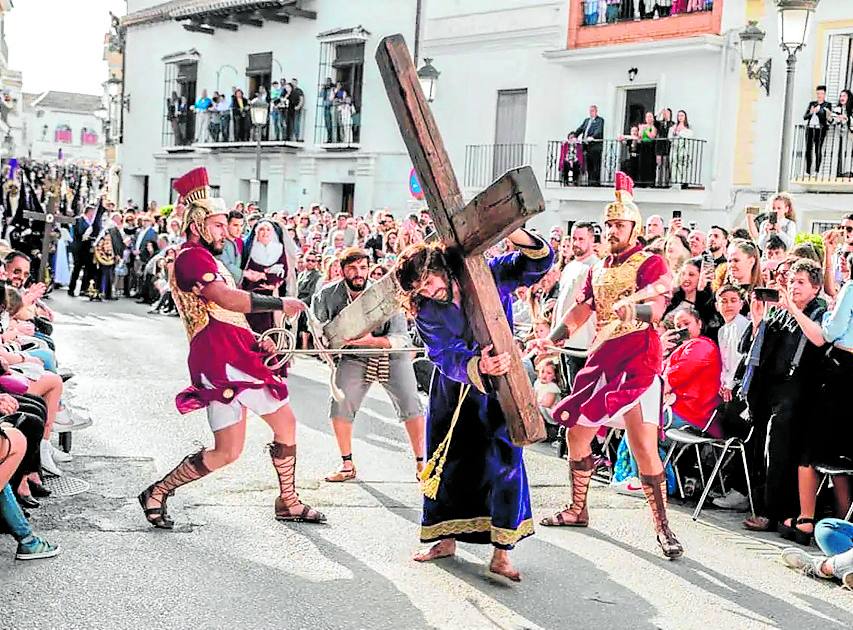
column 193, row 182
column 624, row 182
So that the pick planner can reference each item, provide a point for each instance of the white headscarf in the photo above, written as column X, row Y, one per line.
column 266, row 255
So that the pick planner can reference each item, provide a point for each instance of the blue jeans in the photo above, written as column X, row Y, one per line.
column 834, row 536
column 275, row 117
column 11, row 515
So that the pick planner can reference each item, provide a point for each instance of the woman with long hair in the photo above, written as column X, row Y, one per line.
column 676, row 251
column 648, row 163
column 682, row 160
column 744, row 266
column 842, row 120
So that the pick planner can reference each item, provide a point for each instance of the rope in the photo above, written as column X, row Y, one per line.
column 430, row 476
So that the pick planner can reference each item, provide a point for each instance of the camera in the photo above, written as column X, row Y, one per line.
column 681, row 335
column 773, row 218
column 766, row 295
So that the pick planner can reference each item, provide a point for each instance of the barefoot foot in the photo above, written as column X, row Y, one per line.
column 441, row 549
column 501, row 567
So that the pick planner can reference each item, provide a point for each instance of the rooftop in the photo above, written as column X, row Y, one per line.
column 67, row 101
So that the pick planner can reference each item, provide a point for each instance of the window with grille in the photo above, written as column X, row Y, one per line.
column 339, row 104
column 179, row 87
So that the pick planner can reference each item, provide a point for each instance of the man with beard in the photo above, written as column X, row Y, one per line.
column 226, row 367
column 355, row 374
column 572, row 282
column 718, row 244
column 474, row 484
column 621, row 383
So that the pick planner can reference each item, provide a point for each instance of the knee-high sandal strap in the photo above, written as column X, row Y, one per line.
column 288, row 507
column 654, row 487
column 576, row 514
column 190, row 469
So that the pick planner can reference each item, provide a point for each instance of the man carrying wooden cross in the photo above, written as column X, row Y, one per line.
column 475, row 485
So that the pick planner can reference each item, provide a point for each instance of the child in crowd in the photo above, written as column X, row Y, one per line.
column 546, row 387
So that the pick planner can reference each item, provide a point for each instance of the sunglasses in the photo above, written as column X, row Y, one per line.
column 848, row 228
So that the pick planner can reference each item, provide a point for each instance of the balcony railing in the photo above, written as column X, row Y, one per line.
column 484, row 163
column 597, row 12
column 212, row 128
column 822, row 156
column 651, row 164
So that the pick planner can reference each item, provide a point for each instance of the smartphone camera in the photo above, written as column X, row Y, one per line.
column 766, row 295
column 773, row 218
column 676, row 214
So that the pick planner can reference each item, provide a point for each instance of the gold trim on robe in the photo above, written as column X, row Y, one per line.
column 499, row 535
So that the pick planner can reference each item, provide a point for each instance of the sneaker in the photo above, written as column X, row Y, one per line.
column 47, row 464
column 847, row 580
column 69, row 420
column 35, row 548
column 733, row 500
column 60, row 456
column 630, row 487
column 808, row 564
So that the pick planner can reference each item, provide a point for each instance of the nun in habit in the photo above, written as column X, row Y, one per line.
column 265, row 268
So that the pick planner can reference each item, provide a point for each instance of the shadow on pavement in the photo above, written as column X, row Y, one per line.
column 759, row 602
column 579, row 590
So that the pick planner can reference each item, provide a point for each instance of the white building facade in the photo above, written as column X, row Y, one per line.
column 11, row 100
column 518, row 75
column 63, row 122
column 185, row 47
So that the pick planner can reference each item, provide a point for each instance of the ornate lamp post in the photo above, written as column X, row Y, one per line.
column 260, row 113
column 428, row 76
column 751, row 39
column 794, row 21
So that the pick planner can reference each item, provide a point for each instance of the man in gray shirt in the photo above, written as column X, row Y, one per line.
column 355, row 374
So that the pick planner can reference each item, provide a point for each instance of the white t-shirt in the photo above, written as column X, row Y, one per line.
column 729, row 337
column 572, row 281
column 541, row 388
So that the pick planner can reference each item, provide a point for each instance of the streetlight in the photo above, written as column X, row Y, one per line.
column 750, row 50
column 794, row 20
column 260, row 112
column 428, row 76
column 8, row 145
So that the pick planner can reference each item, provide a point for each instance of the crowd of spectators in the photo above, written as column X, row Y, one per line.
column 611, row 11
column 658, row 151
column 227, row 118
column 34, row 403
column 757, row 338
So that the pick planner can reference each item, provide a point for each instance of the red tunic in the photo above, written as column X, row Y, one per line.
column 223, row 359
column 620, row 371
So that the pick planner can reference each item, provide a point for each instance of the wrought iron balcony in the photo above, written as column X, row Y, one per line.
column 651, row 164
column 484, row 163
column 823, row 158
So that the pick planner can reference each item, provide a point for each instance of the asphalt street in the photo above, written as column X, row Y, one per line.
column 229, row 564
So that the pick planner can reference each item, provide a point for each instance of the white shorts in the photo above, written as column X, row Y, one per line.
column 260, row 401
column 650, row 406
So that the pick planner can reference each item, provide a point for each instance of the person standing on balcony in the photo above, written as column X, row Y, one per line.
column 817, row 118
column 202, row 112
column 173, row 114
column 275, row 111
column 294, row 113
column 240, row 107
column 842, row 119
column 223, row 112
column 681, row 134
column 648, row 134
column 591, row 134
column 663, row 124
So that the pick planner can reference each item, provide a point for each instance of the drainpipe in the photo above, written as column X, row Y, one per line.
column 418, row 9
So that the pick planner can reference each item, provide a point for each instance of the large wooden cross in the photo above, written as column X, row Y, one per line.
column 50, row 217
column 471, row 229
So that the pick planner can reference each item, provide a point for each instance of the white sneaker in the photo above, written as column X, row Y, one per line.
column 69, row 420
column 47, row 464
column 798, row 559
column 630, row 487
column 59, row 455
column 733, row 500
column 847, row 580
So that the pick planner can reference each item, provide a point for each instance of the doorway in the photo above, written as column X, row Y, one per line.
column 510, row 129
column 638, row 101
